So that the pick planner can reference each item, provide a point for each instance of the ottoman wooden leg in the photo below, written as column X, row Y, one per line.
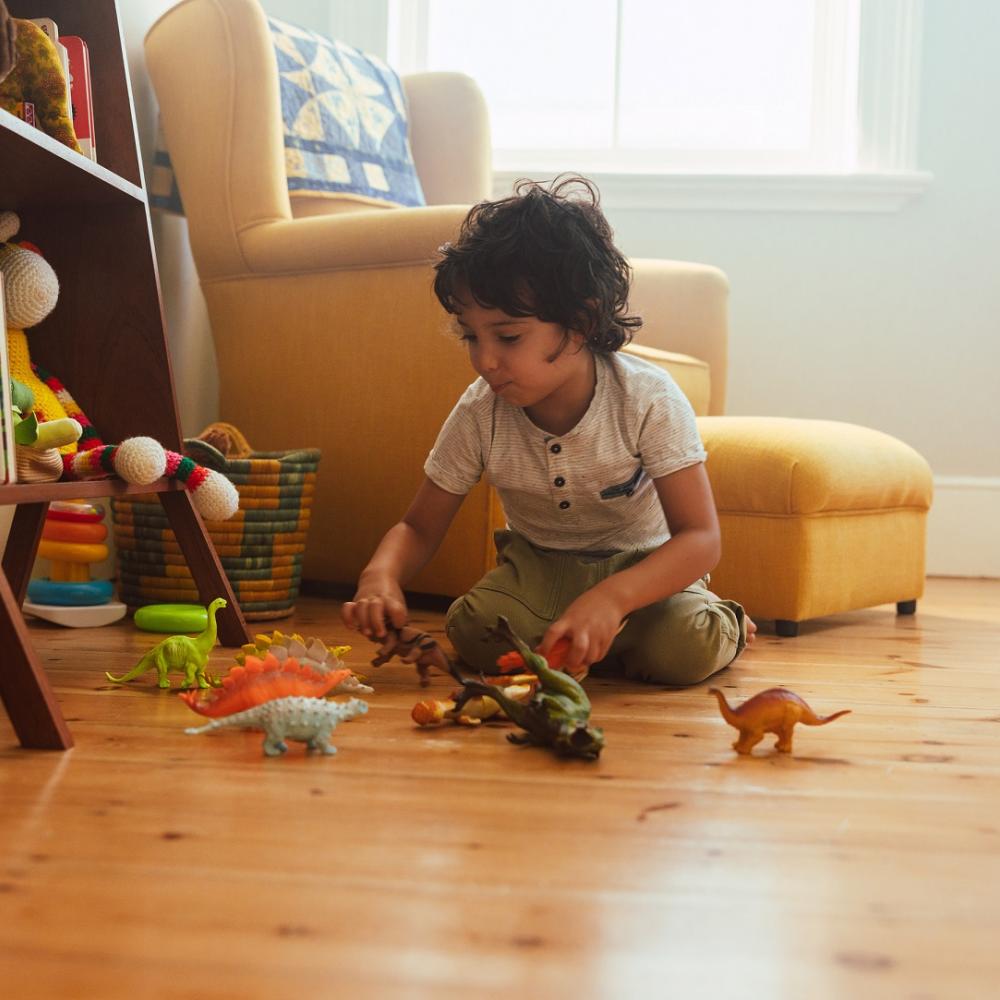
column 906, row 607
column 786, row 629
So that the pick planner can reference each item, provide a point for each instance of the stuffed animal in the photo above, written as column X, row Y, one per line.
column 30, row 292
column 37, row 444
column 7, row 42
column 35, row 78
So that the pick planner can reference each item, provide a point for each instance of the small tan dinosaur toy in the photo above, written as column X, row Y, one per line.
column 775, row 710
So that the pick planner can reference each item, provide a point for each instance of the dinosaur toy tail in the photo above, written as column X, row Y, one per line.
column 822, row 720
column 137, row 671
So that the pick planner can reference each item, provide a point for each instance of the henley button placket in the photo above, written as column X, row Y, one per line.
column 559, row 480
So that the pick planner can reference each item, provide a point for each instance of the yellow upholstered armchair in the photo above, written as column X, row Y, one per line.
column 328, row 334
column 326, row 328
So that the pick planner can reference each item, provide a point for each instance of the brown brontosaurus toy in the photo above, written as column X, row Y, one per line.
column 775, row 710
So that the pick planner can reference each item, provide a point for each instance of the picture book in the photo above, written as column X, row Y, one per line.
column 81, row 97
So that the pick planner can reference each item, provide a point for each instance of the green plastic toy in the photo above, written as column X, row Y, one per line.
column 179, row 653
column 556, row 716
column 171, row 618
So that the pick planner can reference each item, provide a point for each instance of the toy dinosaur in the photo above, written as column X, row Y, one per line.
column 558, row 713
column 413, row 646
column 258, row 680
column 309, row 652
column 775, row 710
column 179, row 652
column 308, row 720
column 475, row 711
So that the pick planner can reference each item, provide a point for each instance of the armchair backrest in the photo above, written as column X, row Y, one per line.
column 216, row 80
column 213, row 68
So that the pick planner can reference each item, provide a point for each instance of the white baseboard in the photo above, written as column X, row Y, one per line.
column 963, row 529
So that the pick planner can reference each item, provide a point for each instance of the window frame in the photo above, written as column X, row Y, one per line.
column 884, row 176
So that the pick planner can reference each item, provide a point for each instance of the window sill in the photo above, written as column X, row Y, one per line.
column 858, row 192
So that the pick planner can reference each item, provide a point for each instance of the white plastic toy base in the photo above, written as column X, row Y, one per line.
column 77, row 617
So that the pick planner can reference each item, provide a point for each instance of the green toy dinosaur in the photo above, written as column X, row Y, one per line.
column 179, row 652
column 556, row 716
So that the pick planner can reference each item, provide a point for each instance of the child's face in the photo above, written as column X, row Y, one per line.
column 525, row 361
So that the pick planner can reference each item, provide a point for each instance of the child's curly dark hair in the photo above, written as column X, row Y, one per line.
column 545, row 252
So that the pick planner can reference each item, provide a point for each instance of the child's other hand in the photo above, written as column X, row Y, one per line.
column 590, row 623
column 375, row 603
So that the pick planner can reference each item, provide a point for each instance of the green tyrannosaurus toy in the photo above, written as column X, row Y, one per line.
column 179, row 652
column 556, row 716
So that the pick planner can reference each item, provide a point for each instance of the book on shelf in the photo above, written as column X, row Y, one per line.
column 81, row 94
column 8, row 461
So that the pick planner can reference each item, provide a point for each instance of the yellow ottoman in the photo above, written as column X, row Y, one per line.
column 817, row 517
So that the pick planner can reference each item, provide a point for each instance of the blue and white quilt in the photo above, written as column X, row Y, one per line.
column 344, row 122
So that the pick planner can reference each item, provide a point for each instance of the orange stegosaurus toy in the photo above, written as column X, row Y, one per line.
column 260, row 680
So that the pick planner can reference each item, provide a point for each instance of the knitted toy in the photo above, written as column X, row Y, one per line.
column 7, row 42
column 36, row 79
column 30, row 291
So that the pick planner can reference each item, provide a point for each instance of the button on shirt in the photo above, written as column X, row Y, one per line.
column 590, row 489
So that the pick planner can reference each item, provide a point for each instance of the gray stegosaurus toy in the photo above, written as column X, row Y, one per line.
column 307, row 720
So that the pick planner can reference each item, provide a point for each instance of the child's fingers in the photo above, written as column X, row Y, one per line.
column 369, row 616
column 576, row 658
column 397, row 613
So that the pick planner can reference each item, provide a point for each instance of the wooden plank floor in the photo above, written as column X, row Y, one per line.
column 147, row 863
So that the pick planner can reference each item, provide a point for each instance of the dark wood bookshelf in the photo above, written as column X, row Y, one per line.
column 105, row 339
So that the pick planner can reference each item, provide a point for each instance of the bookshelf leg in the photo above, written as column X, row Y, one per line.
column 24, row 688
column 209, row 576
column 22, row 544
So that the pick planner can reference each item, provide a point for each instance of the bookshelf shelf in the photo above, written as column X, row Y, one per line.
column 38, row 167
column 105, row 339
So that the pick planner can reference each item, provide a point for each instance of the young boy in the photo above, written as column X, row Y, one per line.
column 612, row 529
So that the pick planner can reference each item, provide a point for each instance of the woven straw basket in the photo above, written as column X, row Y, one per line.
column 260, row 546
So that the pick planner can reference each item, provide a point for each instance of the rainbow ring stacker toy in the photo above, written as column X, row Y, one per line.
column 72, row 539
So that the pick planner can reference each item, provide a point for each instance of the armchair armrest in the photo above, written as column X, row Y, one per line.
column 685, row 309
column 354, row 241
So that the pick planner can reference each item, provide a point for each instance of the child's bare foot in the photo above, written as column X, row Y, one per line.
column 751, row 629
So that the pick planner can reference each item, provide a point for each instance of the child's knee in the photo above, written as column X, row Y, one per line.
column 471, row 618
column 687, row 649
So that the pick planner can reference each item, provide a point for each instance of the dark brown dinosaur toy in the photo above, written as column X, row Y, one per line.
column 775, row 710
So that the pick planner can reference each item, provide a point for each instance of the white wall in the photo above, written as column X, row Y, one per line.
column 888, row 320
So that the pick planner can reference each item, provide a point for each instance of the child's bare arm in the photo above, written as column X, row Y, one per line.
column 403, row 552
column 593, row 620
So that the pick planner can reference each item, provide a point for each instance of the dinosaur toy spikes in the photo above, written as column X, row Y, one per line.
column 309, row 652
column 260, row 680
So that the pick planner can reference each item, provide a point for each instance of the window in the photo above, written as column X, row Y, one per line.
column 689, row 103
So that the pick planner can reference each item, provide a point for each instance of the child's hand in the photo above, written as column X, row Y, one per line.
column 376, row 602
column 590, row 623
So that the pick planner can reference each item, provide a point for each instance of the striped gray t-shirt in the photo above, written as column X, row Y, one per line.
column 590, row 490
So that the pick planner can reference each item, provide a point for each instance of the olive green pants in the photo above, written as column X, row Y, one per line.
column 678, row 641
